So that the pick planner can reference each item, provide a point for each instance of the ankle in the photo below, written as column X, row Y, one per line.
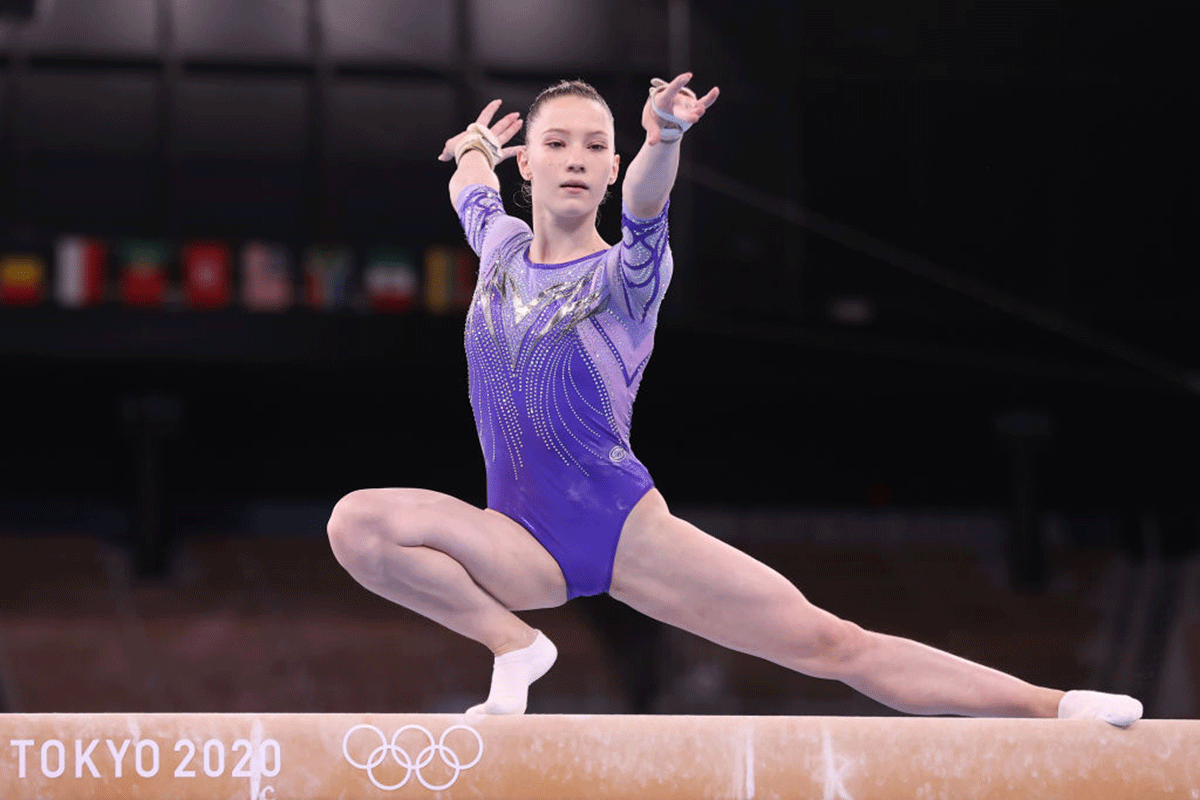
column 517, row 641
column 1051, row 701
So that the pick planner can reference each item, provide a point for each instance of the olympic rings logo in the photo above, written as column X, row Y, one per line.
column 388, row 747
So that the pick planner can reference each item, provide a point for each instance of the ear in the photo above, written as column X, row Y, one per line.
column 616, row 169
column 523, row 163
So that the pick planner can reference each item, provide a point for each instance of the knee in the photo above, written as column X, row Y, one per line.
column 356, row 527
column 366, row 520
column 833, row 649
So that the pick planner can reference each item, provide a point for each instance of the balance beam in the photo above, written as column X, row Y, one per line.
column 353, row 756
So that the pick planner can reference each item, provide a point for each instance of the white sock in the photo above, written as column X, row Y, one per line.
column 512, row 674
column 1115, row 709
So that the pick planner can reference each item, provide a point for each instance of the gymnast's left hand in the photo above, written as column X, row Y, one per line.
column 675, row 98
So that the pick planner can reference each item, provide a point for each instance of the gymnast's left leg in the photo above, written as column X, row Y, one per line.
column 672, row 571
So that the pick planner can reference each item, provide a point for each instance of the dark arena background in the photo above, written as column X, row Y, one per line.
column 930, row 349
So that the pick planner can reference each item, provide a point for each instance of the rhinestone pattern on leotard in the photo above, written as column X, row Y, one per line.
column 556, row 352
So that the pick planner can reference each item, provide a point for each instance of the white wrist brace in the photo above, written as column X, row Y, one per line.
column 671, row 127
column 483, row 140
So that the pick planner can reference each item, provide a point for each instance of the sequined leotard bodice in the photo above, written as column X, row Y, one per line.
column 555, row 356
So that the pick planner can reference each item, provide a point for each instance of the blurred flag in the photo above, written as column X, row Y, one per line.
column 207, row 276
column 22, row 280
column 449, row 278
column 80, row 271
column 391, row 280
column 143, row 279
column 327, row 277
column 466, row 268
column 266, row 277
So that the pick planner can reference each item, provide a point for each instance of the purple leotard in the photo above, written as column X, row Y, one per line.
column 555, row 354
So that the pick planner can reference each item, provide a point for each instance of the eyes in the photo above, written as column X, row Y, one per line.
column 595, row 147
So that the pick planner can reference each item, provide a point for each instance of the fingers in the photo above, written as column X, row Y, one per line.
column 664, row 98
column 451, row 147
column 507, row 127
column 489, row 111
column 678, row 82
column 684, row 103
column 698, row 106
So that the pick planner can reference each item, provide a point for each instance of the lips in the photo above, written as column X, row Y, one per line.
column 573, row 185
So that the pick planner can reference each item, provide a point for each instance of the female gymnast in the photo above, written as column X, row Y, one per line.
column 557, row 337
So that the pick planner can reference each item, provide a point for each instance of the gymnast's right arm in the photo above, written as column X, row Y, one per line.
column 479, row 149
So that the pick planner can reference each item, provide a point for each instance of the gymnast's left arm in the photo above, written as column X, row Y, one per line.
column 670, row 110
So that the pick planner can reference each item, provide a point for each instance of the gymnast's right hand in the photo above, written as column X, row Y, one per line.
column 501, row 132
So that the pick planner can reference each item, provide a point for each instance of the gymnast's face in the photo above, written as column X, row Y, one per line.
column 568, row 157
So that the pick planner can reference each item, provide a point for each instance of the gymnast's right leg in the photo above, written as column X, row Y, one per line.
column 463, row 567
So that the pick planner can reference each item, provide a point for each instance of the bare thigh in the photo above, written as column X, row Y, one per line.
column 669, row 569
column 497, row 552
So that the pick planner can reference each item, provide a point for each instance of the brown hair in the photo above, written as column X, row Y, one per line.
column 576, row 88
